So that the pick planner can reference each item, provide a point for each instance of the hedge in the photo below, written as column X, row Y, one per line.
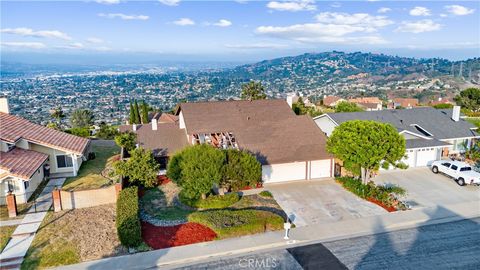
column 234, row 223
column 212, row 201
column 128, row 221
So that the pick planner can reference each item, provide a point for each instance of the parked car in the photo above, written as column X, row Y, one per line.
column 461, row 172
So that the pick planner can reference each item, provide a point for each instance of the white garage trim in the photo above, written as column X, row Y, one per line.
column 284, row 172
column 320, row 168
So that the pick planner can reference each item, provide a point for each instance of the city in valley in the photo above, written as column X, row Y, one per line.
column 292, row 134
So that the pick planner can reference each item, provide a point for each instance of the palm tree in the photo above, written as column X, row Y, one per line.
column 81, row 118
column 58, row 115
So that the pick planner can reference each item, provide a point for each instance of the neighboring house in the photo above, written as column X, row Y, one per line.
column 332, row 101
column 441, row 101
column 25, row 149
column 368, row 103
column 429, row 133
column 288, row 146
column 407, row 103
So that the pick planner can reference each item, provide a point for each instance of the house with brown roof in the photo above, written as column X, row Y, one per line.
column 288, row 146
column 332, row 101
column 407, row 103
column 368, row 103
column 27, row 150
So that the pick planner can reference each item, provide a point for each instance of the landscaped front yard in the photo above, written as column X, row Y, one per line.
column 94, row 173
column 167, row 222
column 74, row 236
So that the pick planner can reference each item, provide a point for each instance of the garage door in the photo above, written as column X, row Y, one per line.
column 410, row 160
column 283, row 172
column 320, row 168
column 425, row 156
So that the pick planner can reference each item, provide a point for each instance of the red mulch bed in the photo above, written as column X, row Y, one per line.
column 379, row 203
column 173, row 236
column 163, row 179
column 259, row 185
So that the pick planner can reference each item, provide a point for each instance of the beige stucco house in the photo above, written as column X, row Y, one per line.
column 27, row 149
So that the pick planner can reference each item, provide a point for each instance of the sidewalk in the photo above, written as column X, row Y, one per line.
column 299, row 236
column 22, row 237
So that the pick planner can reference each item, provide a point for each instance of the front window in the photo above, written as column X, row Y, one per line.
column 446, row 164
column 64, row 161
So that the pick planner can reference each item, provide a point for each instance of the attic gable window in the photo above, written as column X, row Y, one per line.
column 423, row 131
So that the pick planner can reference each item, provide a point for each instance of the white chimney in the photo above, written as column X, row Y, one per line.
column 154, row 124
column 290, row 100
column 4, row 105
column 456, row 113
column 134, row 127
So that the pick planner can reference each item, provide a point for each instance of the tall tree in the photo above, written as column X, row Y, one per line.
column 127, row 140
column 81, row 118
column 366, row 145
column 469, row 99
column 145, row 109
column 346, row 106
column 140, row 168
column 253, row 91
column 132, row 119
column 58, row 115
column 136, row 112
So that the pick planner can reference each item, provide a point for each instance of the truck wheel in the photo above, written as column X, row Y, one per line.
column 460, row 182
column 435, row 169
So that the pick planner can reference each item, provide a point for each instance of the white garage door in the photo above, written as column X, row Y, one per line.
column 320, row 168
column 425, row 156
column 283, row 172
column 410, row 160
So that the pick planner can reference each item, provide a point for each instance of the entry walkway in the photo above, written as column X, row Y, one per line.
column 22, row 237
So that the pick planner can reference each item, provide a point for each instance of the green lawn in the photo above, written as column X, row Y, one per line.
column 89, row 176
column 155, row 204
column 475, row 121
column 5, row 232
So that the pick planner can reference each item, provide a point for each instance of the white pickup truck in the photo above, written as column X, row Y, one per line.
column 462, row 172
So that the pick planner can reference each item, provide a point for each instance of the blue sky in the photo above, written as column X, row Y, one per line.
column 237, row 30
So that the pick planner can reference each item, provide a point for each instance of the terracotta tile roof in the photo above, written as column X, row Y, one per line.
column 13, row 128
column 406, row 102
column 268, row 128
column 166, row 140
column 330, row 100
column 365, row 100
column 22, row 163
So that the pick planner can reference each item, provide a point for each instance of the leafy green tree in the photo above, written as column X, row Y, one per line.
column 346, row 106
column 469, row 99
column 106, row 132
column 197, row 169
column 132, row 119
column 53, row 125
column 443, row 106
column 79, row 131
column 253, row 91
column 300, row 109
column 140, row 168
column 81, row 118
column 366, row 145
column 127, row 140
column 145, row 110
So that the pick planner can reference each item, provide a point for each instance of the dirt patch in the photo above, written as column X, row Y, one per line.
column 170, row 190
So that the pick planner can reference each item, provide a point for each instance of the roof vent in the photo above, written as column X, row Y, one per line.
column 456, row 113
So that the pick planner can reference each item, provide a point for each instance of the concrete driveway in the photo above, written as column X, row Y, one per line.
column 426, row 189
column 320, row 201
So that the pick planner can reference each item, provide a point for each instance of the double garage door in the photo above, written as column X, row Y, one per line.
column 420, row 157
column 296, row 171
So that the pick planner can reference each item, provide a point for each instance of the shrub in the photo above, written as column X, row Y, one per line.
column 384, row 194
column 241, row 170
column 128, row 222
column 127, row 140
column 266, row 194
column 140, row 168
column 233, row 223
column 212, row 201
column 79, row 131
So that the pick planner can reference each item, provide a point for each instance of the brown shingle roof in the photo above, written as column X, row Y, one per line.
column 329, row 100
column 21, row 163
column 167, row 118
column 268, row 128
column 13, row 128
column 166, row 140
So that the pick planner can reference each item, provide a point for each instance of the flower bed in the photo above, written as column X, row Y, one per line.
column 164, row 237
column 163, row 180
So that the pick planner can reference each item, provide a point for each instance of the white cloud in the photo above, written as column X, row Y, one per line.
column 184, row 22
column 108, row 2
column 418, row 26
column 336, row 5
column 28, row 32
column 332, row 27
column 296, row 5
column 170, row 2
column 95, row 40
column 223, row 23
column 459, row 10
column 102, row 48
column 124, row 16
column 420, row 11
column 255, row 46
column 384, row 10
column 25, row 45
column 75, row 45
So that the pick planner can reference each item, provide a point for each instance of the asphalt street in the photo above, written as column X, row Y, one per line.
column 454, row 245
